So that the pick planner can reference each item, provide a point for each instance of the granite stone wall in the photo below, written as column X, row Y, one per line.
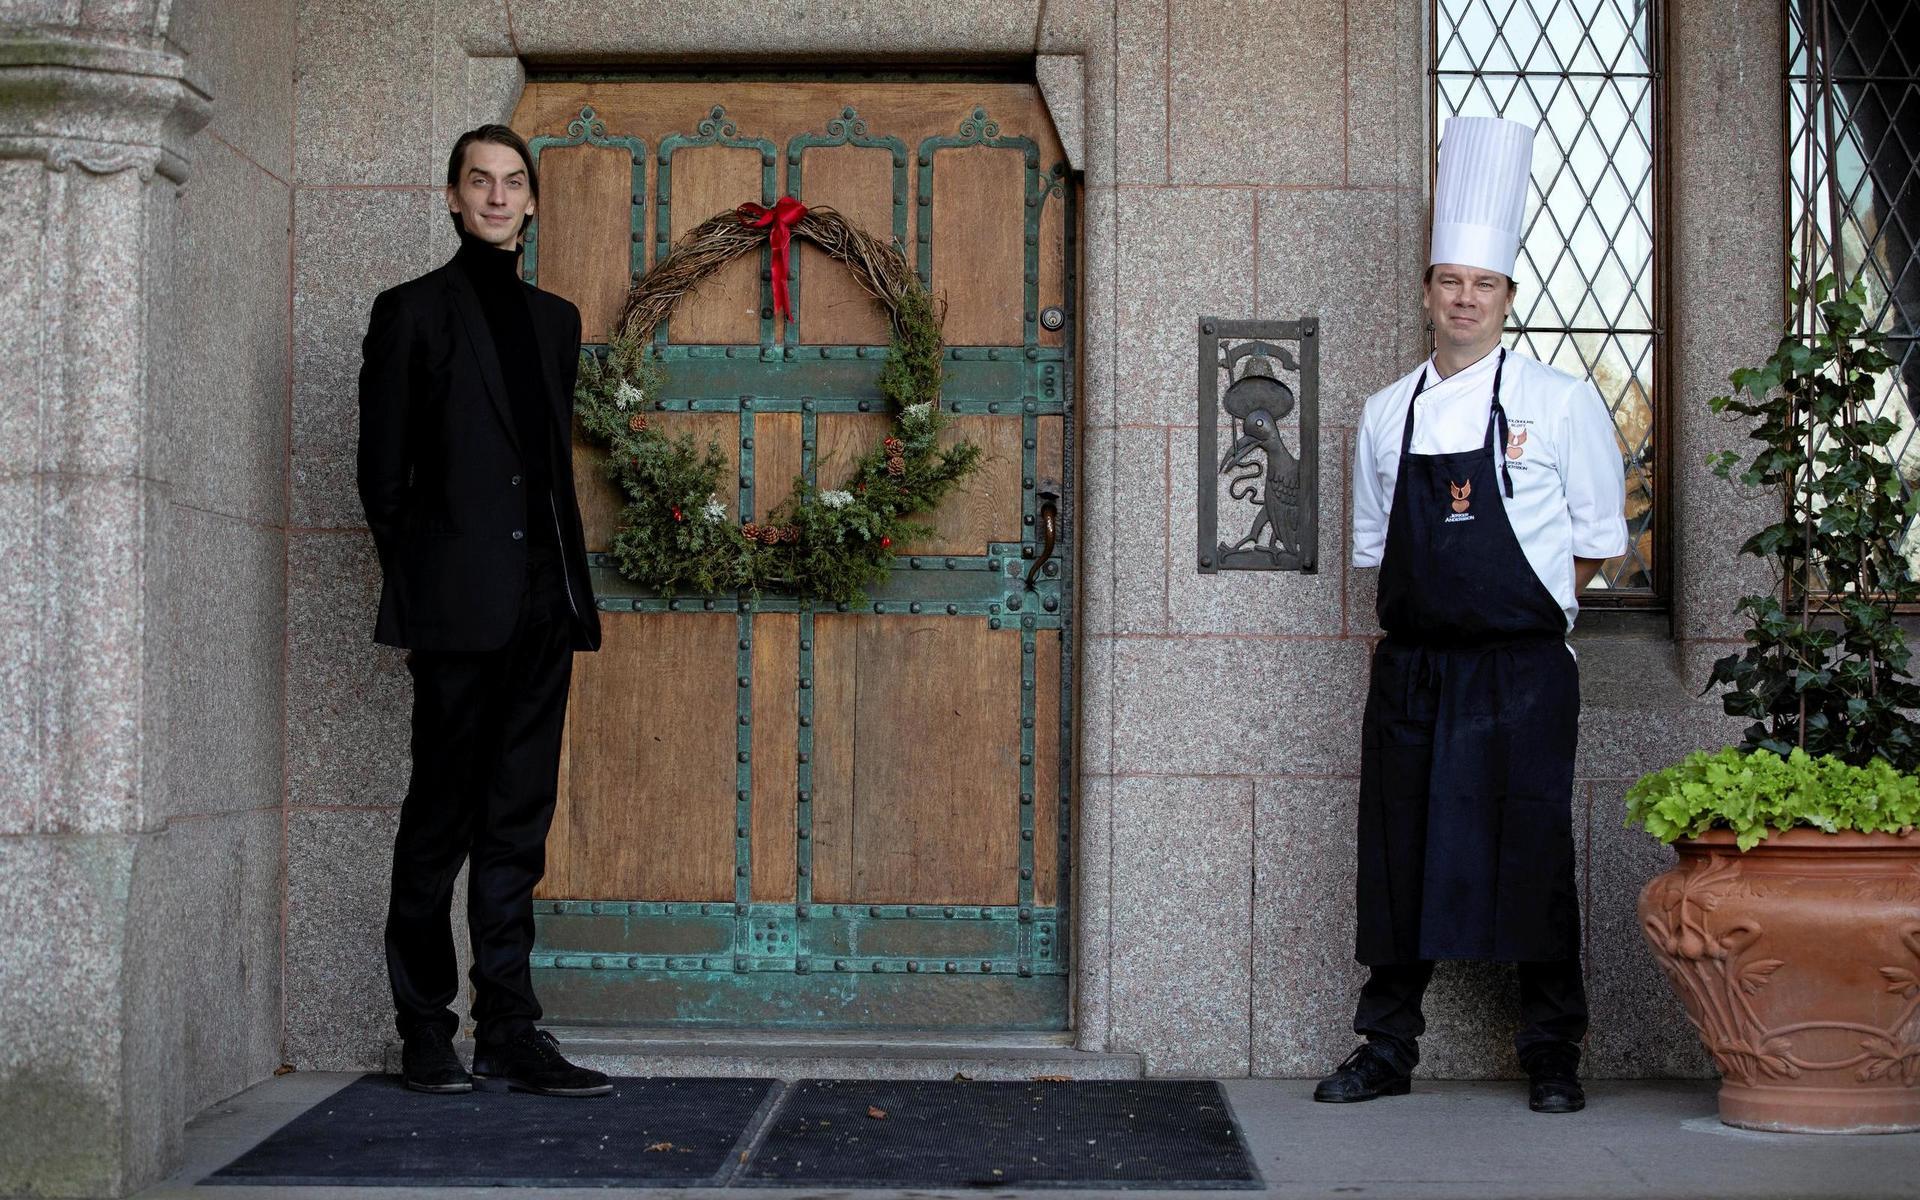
column 142, row 550
column 1218, row 715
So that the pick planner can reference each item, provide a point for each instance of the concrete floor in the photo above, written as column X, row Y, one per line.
column 1446, row 1141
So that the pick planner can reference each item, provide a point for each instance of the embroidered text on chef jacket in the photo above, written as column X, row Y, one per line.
column 1569, row 491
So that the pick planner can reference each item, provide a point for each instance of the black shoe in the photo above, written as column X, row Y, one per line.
column 428, row 1063
column 532, row 1062
column 1552, row 1084
column 1366, row 1075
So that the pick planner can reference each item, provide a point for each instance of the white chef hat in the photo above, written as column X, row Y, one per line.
column 1480, row 192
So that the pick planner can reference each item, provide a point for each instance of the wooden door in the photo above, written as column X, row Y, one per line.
column 775, row 813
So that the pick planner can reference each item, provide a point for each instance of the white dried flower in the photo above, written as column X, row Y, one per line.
column 919, row 413
column 714, row 511
column 836, row 499
column 627, row 396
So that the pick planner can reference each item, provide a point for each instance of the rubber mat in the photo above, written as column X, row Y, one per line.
column 1107, row 1134
column 375, row 1133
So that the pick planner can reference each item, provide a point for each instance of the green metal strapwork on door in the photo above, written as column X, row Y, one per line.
column 807, row 963
column 589, row 130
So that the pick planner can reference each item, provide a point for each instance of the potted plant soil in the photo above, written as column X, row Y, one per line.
column 1791, row 926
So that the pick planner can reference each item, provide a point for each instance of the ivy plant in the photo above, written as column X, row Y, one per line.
column 1825, row 666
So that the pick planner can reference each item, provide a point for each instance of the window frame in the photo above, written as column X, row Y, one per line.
column 1658, row 597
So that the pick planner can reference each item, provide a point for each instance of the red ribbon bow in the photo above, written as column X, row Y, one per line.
column 779, row 221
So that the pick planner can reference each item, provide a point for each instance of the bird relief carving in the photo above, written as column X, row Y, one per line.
column 1261, row 470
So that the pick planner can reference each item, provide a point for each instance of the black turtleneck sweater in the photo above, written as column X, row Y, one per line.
column 495, row 276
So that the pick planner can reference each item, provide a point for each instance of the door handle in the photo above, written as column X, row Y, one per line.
column 1049, row 494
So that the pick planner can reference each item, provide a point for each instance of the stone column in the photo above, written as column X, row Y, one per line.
column 94, row 114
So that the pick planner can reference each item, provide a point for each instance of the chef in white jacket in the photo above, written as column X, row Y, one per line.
column 1487, row 489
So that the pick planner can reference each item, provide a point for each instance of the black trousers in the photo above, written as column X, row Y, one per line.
column 486, row 756
column 1553, row 1010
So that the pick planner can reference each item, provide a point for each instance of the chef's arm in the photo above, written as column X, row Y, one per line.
column 1584, row 569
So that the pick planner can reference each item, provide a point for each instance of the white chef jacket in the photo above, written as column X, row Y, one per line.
column 1569, row 486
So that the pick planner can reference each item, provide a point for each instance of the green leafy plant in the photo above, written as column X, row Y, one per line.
column 1754, row 792
column 1825, row 668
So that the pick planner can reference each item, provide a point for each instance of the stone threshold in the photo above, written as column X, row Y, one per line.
column 799, row 1054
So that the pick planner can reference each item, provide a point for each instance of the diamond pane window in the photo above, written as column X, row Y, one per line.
column 1853, row 179
column 1583, row 74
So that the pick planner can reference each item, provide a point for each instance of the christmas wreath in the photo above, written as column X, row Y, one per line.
column 820, row 545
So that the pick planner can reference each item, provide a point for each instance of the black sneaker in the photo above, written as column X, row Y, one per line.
column 1366, row 1075
column 532, row 1062
column 1553, row 1086
column 428, row 1063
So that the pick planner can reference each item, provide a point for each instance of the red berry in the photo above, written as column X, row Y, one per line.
column 885, row 542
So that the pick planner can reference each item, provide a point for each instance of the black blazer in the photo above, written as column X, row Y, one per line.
column 440, row 467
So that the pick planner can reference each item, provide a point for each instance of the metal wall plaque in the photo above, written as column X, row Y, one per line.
column 1260, row 497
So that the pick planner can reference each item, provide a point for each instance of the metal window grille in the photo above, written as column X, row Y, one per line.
column 1852, row 107
column 1587, row 75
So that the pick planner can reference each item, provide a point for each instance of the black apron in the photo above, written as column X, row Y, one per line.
column 1466, row 778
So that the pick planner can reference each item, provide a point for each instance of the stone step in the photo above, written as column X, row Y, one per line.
column 787, row 1054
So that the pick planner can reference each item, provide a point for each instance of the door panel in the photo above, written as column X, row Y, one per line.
column 781, row 813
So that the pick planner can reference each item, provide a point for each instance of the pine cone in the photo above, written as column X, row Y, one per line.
column 750, row 531
column 896, row 466
column 790, row 534
column 895, row 447
column 637, row 423
column 769, row 536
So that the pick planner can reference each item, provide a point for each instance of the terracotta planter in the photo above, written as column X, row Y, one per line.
column 1799, row 964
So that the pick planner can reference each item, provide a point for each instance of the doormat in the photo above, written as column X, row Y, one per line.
column 1109, row 1134
column 375, row 1133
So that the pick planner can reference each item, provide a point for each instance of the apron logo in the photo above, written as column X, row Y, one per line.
column 1461, row 492
column 1516, row 443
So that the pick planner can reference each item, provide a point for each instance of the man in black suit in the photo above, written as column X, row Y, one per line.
column 466, row 400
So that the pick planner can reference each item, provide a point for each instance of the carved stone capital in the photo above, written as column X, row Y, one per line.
column 101, row 107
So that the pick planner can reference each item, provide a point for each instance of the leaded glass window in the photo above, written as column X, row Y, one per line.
column 1853, row 179
column 1584, row 74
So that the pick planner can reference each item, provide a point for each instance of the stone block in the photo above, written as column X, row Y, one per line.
column 1097, row 529
column 1137, row 530
column 243, row 55
column 1258, row 602
column 349, row 246
column 95, row 539
column 225, row 434
column 1726, row 242
column 225, row 582
column 1182, row 253
column 1257, row 92
column 1096, row 699
column 1062, row 80
column 1625, row 741
column 1472, row 1011
column 349, row 700
column 1387, row 93
column 27, row 311
column 1093, row 913
column 62, row 915
column 1142, row 59
column 1100, row 340
column 22, row 686
column 339, row 1007
column 1305, row 980
column 471, row 90
column 363, row 93
column 1639, row 1028
column 578, row 30
column 94, row 298
column 1241, row 705
column 1182, row 934
column 224, row 932
column 1337, row 256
